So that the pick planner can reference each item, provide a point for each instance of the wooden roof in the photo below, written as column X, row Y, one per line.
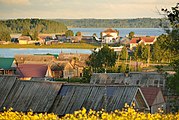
column 34, row 58
column 43, row 96
column 70, row 56
column 74, row 97
column 109, row 78
column 132, row 78
column 26, row 95
column 6, row 84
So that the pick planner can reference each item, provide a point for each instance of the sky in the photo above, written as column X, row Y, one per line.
column 79, row 9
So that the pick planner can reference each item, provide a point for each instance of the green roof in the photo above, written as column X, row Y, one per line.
column 55, row 55
column 6, row 63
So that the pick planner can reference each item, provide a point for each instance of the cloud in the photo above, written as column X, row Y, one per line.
column 15, row 2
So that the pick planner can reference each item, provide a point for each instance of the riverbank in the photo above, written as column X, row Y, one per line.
column 62, row 45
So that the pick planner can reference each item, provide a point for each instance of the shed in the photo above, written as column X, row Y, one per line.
column 43, row 96
column 73, row 97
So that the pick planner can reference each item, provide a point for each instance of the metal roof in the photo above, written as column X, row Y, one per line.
column 6, row 63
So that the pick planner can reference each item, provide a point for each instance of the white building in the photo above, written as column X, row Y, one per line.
column 110, row 36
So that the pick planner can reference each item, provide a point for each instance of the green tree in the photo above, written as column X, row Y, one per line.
column 123, row 67
column 156, row 52
column 35, row 35
column 26, row 32
column 69, row 33
column 5, row 36
column 78, row 34
column 173, row 43
column 146, row 53
column 87, row 73
column 138, row 52
column 124, row 54
column 131, row 35
column 102, row 59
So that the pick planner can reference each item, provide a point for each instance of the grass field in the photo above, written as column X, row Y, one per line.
column 62, row 45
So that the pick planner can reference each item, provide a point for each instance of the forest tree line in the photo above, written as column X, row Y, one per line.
column 112, row 23
column 40, row 25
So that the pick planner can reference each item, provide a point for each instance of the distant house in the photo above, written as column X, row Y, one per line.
column 28, row 71
column 154, row 98
column 61, row 69
column 78, row 61
column 148, row 40
column 24, row 39
column 7, row 66
column 110, row 36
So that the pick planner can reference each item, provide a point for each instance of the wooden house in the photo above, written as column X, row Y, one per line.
column 7, row 66
column 61, row 69
column 43, row 96
column 154, row 98
column 78, row 61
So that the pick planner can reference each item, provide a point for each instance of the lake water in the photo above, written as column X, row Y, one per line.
column 86, row 32
column 11, row 52
column 122, row 31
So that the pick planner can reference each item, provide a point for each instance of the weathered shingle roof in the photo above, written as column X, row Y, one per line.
column 74, row 97
column 35, row 95
column 43, row 59
column 70, row 56
column 104, row 78
column 6, row 63
column 133, row 78
column 42, row 96
column 6, row 84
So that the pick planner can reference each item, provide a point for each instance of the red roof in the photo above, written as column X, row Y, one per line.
column 32, row 70
column 145, row 39
column 148, row 39
column 150, row 94
column 108, row 35
column 109, row 30
column 135, row 40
